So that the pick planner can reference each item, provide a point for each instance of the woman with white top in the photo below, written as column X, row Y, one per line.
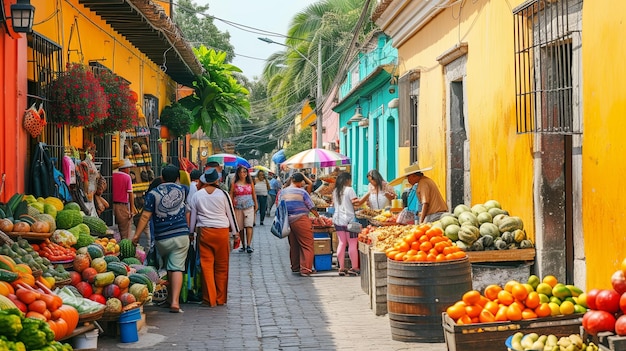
column 261, row 188
column 379, row 192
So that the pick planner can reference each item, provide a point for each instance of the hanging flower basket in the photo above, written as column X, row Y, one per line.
column 76, row 98
column 177, row 119
column 122, row 112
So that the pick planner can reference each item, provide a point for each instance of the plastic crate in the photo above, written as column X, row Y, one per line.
column 323, row 262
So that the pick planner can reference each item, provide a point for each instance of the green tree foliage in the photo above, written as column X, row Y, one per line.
column 199, row 29
column 217, row 98
column 300, row 142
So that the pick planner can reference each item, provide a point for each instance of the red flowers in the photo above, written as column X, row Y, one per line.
column 76, row 98
column 122, row 112
column 102, row 103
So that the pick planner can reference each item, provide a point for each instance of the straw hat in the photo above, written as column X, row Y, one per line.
column 414, row 168
column 125, row 163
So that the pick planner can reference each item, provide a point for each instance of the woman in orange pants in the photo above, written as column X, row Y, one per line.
column 211, row 211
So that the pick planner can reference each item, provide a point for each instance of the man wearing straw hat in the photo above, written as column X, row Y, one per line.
column 123, row 198
column 424, row 192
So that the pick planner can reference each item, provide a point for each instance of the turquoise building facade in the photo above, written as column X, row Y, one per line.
column 368, row 114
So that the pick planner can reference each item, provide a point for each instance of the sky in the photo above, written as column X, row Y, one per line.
column 262, row 16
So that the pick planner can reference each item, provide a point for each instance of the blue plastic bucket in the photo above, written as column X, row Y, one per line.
column 130, row 315
column 128, row 332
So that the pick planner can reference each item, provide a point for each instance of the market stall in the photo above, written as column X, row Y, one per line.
column 59, row 260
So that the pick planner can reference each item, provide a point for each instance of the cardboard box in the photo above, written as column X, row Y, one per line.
column 322, row 246
column 491, row 336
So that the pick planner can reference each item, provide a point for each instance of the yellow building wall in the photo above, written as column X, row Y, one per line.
column 501, row 163
column 604, row 166
column 84, row 37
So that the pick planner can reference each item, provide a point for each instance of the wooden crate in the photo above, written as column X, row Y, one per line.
column 502, row 255
column 364, row 265
column 378, row 282
column 491, row 336
column 606, row 341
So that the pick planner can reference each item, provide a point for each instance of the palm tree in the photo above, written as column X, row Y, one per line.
column 292, row 78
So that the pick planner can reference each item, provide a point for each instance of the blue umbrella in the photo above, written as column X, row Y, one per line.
column 229, row 160
column 279, row 157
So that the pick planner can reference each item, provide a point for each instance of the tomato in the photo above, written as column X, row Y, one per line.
column 620, row 325
column 591, row 298
column 608, row 300
column 618, row 280
column 598, row 321
column 622, row 303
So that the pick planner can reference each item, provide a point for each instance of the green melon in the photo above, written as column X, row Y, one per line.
column 127, row 249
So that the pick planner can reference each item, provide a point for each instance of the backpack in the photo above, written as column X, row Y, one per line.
column 62, row 190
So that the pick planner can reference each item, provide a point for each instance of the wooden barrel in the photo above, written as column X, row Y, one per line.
column 418, row 293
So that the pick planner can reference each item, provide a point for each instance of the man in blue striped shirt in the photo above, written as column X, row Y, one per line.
column 165, row 206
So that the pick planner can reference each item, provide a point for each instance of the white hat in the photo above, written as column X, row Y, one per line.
column 125, row 163
column 414, row 168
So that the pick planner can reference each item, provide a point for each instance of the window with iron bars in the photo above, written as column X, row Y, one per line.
column 546, row 66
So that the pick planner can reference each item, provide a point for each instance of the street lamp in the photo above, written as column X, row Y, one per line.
column 318, row 72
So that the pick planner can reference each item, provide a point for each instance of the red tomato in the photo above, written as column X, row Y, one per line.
column 618, row 280
column 620, row 325
column 608, row 300
column 598, row 321
column 591, row 298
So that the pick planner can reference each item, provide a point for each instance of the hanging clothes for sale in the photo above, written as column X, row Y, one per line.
column 69, row 170
column 41, row 181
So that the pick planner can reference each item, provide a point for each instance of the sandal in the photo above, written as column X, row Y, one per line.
column 342, row 272
column 354, row 272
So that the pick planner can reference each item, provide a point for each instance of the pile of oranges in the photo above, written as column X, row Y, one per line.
column 514, row 302
column 424, row 243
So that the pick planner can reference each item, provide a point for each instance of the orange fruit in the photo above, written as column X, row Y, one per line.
column 409, row 238
column 464, row 320
column 519, row 292
column 491, row 291
column 403, row 246
column 528, row 313
column 532, row 300
column 415, row 245
column 492, row 307
column 471, row 297
column 426, row 246
column 505, row 297
column 513, row 313
column 431, row 257
column 501, row 314
column 550, row 280
column 543, row 310
column 399, row 256
column 509, row 285
column 482, row 301
column 456, row 311
column 486, row 316
column 459, row 255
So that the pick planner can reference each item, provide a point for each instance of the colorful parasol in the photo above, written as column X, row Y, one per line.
column 317, row 158
column 229, row 160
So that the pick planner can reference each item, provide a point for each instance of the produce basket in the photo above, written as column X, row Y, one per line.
column 383, row 224
column 109, row 316
column 62, row 283
column 37, row 272
column 90, row 317
column 4, row 239
column 30, row 235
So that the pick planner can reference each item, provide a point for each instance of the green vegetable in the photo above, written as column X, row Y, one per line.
column 67, row 219
column 84, row 240
column 35, row 334
column 6, row 344
column 10, row 322
column 96, row 225
column 79, row 229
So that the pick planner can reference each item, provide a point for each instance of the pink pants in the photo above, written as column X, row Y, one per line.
column 353, row 250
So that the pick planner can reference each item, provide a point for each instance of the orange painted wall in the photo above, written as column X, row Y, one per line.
column 13, row 138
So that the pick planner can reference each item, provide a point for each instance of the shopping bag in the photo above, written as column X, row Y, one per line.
column 280, row 226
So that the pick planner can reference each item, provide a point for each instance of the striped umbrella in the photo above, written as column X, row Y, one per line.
column 317, row 158
column 229, row 160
